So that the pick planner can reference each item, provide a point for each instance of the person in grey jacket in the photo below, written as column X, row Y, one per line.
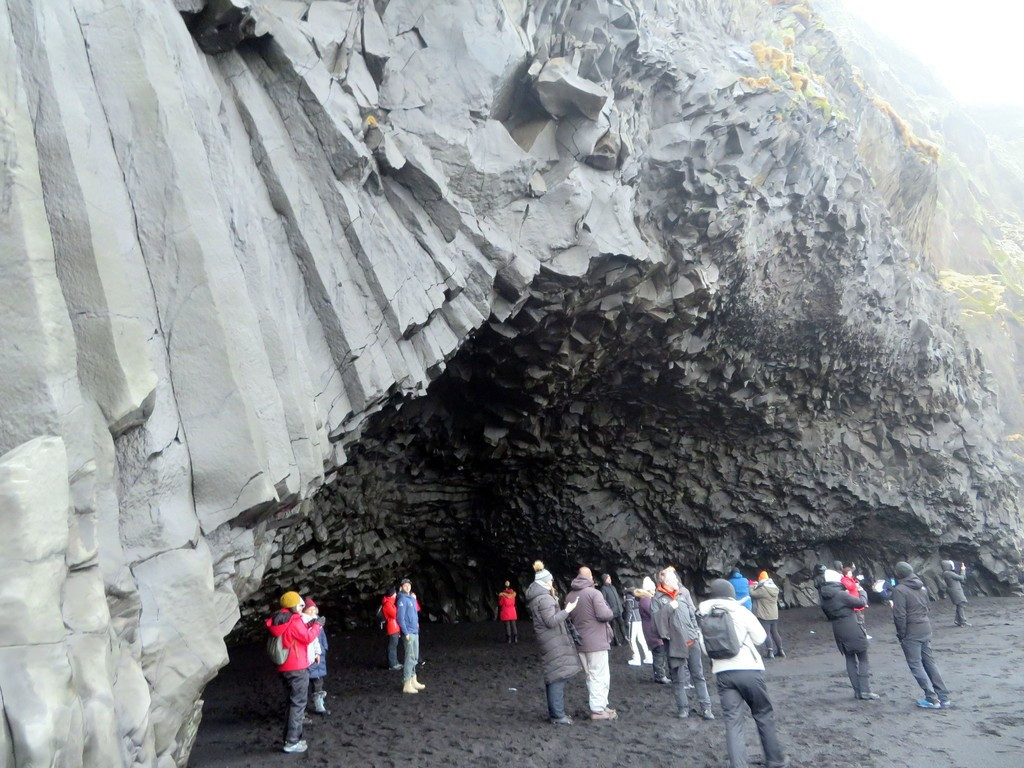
column 675, row 617
column 593, row 623
column 558, row 651
column 765, row 595
column 914, row 631
column 955, row 590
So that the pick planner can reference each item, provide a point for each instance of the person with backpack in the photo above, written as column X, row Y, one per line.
column 593, row 624
column 955, row 590
column 765, row 595
column 675, row 617
column 507, row 613
column 409, row 622
column 317, row 660
column 914, row 631
column 838, row 606
column 388, row 614
column 291, row 636
column 558, row 651
column 730, row 635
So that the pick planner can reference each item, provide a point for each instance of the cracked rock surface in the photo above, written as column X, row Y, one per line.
column 318, row 293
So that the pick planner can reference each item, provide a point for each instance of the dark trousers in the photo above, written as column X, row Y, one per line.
column 660, row 655
column 296, row 687
column 393, row 649
column 773, row 643
column 316, row 685
column 961, row 614
column 620, row 634
column 922, row 666
column 556, row 698
column 859, row 671
column 680, row 677
column 747, row 686
column 511, row 630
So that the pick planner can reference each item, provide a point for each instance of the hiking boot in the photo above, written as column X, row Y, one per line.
column 869, row 697
column 604, row 714
column 296, row 746
column 682, row 714
column 707, row 714
column 928, row 704
column 408, row 687
column 417, row 684
column 780, row 654
column 563, row 720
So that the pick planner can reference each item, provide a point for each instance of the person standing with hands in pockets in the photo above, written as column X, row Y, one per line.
column 409, row 623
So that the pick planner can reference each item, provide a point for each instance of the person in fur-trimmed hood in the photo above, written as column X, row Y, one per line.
column 765, row 595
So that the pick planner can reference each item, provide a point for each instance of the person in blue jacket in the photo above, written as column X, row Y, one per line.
column 317, row 661
column 409, row 623
column 742, row 586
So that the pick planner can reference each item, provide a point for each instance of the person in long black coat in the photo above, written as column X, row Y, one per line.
column 559, row 656
column 838, row 605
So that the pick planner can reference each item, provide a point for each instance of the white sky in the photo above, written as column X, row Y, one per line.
column 976, row 47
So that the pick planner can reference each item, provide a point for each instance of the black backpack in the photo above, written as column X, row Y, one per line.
column 721, row 638
column 380, row 616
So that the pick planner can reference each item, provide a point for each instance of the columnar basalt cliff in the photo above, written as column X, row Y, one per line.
column 319, row 292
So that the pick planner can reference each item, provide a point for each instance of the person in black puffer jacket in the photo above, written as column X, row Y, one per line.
column 914, row 631
column 838, row 605
column 558, row 651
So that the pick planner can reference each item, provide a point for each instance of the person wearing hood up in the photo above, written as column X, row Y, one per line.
column 507, row 613
column 558, row 651
column 740, row 680
column 742, row 586
column 838, row 606
column 914, row 631
column 593, row 623
column 955, row 590
column 765, row 595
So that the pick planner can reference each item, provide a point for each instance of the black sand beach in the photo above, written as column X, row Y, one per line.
column 484, row 704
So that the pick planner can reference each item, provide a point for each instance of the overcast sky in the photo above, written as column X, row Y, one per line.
column 976, row 47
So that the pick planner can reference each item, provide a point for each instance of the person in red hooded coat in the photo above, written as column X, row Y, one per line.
column 296, row 635
column 507, row 613
column 390, row 612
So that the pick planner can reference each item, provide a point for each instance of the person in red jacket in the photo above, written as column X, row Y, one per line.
column 296, row 635
column 390, row 612
column 507, row 613
column 852, row 585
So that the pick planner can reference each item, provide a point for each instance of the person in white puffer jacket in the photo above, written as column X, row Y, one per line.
column 740, row 678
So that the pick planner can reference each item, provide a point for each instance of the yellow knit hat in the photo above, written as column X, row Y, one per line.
column 290, row 599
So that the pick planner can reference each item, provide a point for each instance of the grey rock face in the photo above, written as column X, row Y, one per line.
column 317, row 294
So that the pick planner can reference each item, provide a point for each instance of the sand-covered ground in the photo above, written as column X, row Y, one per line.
column 484, row 704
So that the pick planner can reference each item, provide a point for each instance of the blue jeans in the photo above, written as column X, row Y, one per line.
column 412, row 656
column 556, row 698
column 922, row 666
column 393, row 649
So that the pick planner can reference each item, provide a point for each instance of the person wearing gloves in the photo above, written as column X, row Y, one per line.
column 593, row 623
column 740, row 680
column 659, row 652
column 637, row 642
column 914, row 631
column 955, row 590
column 675, row 617
column 557, row 649
column 317, row 661
column 296, row 635
column 742, row 586
column 838, row 606
column 765, row 595
column 507, row 613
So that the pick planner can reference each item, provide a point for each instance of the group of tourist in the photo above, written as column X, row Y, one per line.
column 736, row 628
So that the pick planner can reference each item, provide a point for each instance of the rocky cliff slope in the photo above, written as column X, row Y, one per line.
column 318, row 292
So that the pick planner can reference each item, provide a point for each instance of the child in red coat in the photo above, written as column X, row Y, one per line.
column 852, row 585
column 507, row 613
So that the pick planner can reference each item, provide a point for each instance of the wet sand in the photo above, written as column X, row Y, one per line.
column 484, row 704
